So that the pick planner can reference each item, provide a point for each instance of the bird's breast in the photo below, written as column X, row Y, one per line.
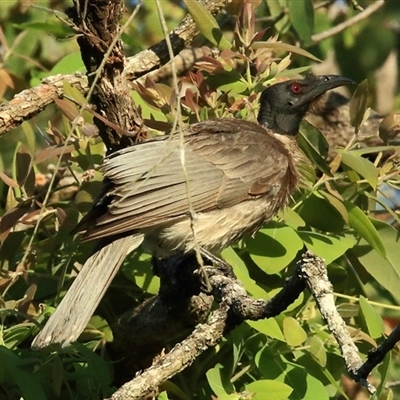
column 217, row 229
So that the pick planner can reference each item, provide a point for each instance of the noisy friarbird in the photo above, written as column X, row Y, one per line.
column 237, row 175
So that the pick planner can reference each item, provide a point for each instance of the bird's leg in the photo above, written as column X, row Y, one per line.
column 177, row 275
column 217, row 262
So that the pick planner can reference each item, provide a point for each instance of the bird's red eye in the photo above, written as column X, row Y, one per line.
column 296, row 88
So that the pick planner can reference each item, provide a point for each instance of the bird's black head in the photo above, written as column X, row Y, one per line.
column 283, row 105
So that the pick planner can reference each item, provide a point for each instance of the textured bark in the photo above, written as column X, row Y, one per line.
column 99, row 25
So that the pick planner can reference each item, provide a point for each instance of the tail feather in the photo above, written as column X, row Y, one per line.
column 72, row 315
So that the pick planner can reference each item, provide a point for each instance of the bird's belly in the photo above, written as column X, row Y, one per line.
column 213, row 230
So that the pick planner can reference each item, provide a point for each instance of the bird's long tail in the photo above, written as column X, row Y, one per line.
column 72, row 315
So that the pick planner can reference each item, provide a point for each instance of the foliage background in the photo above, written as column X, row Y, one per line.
column 292, row 356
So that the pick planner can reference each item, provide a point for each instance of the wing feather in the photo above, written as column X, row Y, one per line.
column 227, row 162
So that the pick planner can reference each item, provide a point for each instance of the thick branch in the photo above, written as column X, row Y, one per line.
column 180, row 357
column 30, row 102
column 102, row 53
column 315, row 274
column 235, row 307
column 181, row 37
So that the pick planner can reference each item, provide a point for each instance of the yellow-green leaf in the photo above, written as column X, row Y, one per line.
column 364, row 227
column 295, row 335
column 207, row 24
column 362, row 166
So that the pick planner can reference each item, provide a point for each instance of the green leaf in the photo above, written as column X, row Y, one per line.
column 14, row 335
column 139, row 270
column 362, row 166
column 294, row 334
column 51, row 27
column 274, row 247
column 275, row 366
column 278, row 10
column 27, row 382
column 268, row 327
column 371, row 319
column 364, row 227
column 219, row 385
column 301, row 14
column 327, row 219
column 337, row 203
column 328, row 247
column 385, row 269
column 69, row 64
column 291, row 218
column 227, row 81
column 268, row 389
column 207, row 24
column 317, row 350
column 358, row 105
column 242, row 273
column 314, row 145
column 384, row 369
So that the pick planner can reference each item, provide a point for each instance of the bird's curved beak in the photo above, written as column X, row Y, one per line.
column 324, row 83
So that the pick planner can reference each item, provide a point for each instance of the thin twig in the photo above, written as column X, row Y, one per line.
column 178, row 124
column 319, row 37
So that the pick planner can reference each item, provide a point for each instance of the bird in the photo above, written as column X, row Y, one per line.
column 209, row 185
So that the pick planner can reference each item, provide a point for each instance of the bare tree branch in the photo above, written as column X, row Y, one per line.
column 30, row 102
column 236, row 306
column 315, row 274
column 181, row 37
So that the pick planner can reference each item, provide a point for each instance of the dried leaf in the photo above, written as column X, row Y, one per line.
column 8, row 181
column 67, row 108
column 285, row 47
column 389, row 128
column 52, row 152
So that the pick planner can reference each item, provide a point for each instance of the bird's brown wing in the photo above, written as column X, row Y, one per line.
column 227, row 161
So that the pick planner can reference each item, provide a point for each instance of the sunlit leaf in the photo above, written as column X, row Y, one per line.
column 294, row 334
column 207, row 24
column 274, row 247
column 317, row 349
column 268, row 327
column 328, row 247
column 242, row 273
column 220, row 386
column 371, row 319
column 364, row 227
column 269, row 389
column 362, row 166
column 385, row 268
